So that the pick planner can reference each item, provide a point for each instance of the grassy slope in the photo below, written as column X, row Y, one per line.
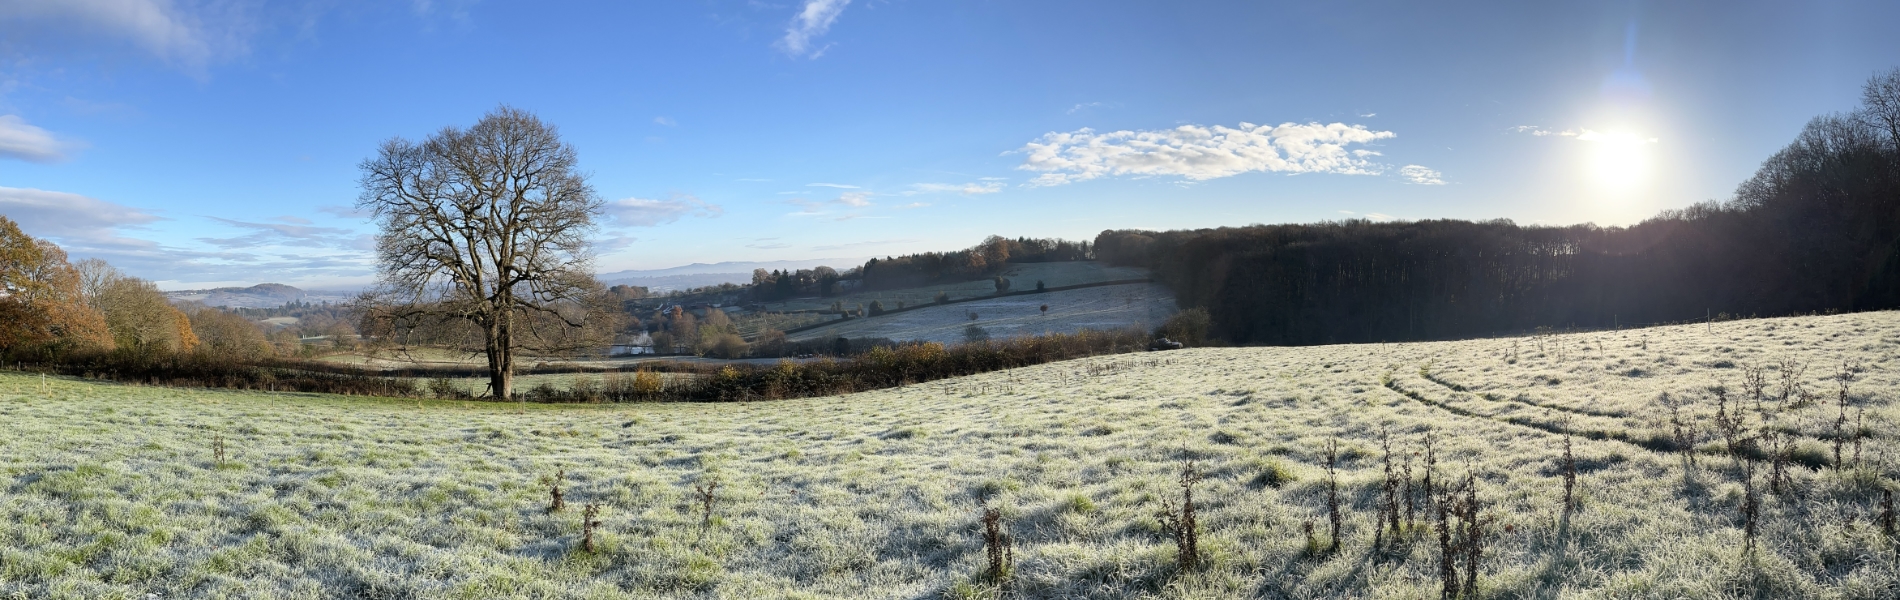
column 111, row 490
column 1101, row 308
column 1022, row 276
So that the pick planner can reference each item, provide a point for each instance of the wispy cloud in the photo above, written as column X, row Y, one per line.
column 89, row 227
column 1541, row 132
column 1583, row 134
column 854, row 199
column 832, row 185
column 665, row 121
column 1198, row 153
column 769, row 246
column 266, row 235
column 1083, row 106
column 967, row 189
column 865, row 244
column 642, row 212
column 813, row 20
column 345, row 212
column 1421, row 175
column 22, row 141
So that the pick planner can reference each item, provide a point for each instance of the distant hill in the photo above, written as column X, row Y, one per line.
column 263, row 295
column 705, row 274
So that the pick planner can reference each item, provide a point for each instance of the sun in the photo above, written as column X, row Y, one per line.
column 1619, row 160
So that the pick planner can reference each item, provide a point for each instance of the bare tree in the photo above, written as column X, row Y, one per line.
column 488, row 226
column 1880, row 99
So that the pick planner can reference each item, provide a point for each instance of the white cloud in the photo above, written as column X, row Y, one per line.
column 187, row 36
column 854, row 199
column 967, row 189
column 1199, row 153
column 832, row 185
column 22, row 141
column 641, row 212
column 1380, row 217
column 1421, row 175
column 69, row 217
column 811, row 22
column 665, row 121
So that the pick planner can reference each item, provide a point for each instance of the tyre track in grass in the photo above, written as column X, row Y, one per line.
column 1651, row 444
column 1522, row 399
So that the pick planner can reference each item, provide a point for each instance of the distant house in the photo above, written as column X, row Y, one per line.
column 631, row 344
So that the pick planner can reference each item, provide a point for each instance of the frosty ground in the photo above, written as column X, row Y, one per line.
column 1138, row 305
column 115, row 491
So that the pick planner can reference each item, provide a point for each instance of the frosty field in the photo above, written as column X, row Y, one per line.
column 116, row 491
column 1140, row 305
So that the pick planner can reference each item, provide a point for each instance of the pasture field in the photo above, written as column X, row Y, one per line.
column 117, row 491
column 1022, row 276
column 1139, row 305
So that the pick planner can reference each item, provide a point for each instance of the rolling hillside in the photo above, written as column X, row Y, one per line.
column 118, row 491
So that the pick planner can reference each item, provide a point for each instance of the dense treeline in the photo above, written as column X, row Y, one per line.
column 1816, row 229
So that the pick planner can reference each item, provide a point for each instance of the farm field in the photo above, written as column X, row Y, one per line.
column 1022, row 276
column 118, row 491
column 1140, row 305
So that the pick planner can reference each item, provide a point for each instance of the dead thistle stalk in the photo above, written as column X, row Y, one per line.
column 1181, row 524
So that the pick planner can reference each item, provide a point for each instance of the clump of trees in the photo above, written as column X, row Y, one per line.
column 1816, row 229
column 42, row 302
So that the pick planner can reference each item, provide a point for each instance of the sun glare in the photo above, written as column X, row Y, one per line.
column 1619, row 160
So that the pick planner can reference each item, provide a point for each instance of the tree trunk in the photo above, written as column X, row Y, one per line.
column 501, row 361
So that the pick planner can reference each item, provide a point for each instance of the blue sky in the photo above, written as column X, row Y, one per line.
column 215, row 143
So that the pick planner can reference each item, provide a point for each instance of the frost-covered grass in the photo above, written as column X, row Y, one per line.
column 1139, row 305
column 110, row 490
